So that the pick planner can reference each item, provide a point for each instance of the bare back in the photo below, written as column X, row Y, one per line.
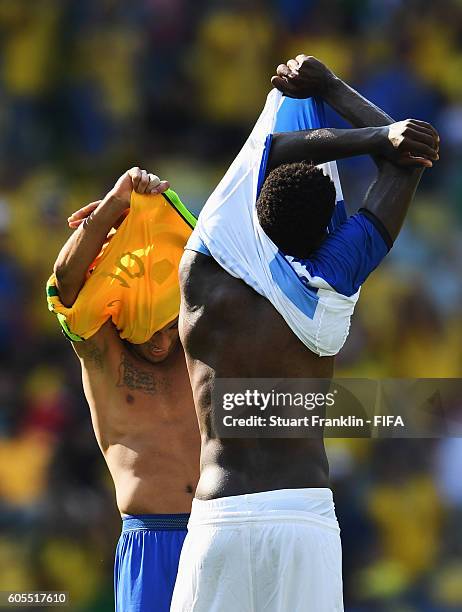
column 144, row 422
column 229, row 331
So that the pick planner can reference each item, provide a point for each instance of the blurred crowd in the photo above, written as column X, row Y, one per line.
column 90, row 88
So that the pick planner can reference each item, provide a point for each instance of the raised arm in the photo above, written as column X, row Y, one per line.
column 306, row 76
column 93, row 223
column 391, row 194
column 393, row 189
column 415, row 144
column 328, row 144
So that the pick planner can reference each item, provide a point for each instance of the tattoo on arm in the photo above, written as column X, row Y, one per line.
column 91, row 354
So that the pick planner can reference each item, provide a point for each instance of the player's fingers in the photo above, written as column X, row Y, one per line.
column 75, row 217
column 301, row 57
column 154, row 182
column 427, row 126
column 143, row 182
column 423, row 125
column 161, row 187
column 411, row 161
column 421, row 136
column 278, row 83
column 283, row 85
column 135, row 174
column 293, row 65
column 425, row 130
column 283, row 70
column 420, row 148
column 78, row 215
column 75, row 224
column 84, row 211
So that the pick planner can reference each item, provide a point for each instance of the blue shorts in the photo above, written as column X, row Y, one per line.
column 146, row 561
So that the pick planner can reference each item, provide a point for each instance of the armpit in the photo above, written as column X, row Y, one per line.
column 93, row 352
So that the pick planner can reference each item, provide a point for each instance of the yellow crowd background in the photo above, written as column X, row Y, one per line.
column 89, row 88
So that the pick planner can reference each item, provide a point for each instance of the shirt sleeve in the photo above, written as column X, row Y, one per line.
column 348, row 255
column 87, row 314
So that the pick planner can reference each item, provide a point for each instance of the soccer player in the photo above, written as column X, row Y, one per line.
column 125, row 303
column 263, row 535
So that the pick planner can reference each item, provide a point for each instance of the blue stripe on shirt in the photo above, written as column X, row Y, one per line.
column 348, row 255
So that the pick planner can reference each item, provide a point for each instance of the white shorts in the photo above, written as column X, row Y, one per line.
column 276, row 551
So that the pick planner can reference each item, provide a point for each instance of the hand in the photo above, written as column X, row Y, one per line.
column 303, row 77
column 79, row 216
column 134, row 179
column 411, row 143
column 139, row 181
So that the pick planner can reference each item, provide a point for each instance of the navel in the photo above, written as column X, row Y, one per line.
column 130, row 399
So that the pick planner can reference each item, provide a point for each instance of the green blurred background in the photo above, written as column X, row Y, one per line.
column 89, row 88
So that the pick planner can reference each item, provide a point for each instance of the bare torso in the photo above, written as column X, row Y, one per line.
column 144, row 421
column 229, row 331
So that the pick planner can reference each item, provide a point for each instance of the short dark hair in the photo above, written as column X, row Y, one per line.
column 295, row 206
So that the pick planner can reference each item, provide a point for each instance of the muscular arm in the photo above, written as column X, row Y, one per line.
column 325, row 144
column 306, row 76
column 313, row 78
column 413, row 143
column 392, row 191
column 376, row 130
column 353, row 107
column 391, row 194
column 83, row 246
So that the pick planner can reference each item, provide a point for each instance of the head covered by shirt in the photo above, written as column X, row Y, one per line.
column 134, row 279
column 315, row 296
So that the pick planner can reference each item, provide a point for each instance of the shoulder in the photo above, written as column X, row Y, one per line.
column 199, row 276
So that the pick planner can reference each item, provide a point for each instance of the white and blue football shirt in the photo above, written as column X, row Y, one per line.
column 316, row 296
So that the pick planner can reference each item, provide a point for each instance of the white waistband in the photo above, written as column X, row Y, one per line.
column 284, row 505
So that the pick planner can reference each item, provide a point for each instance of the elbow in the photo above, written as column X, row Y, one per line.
column 64, row 285
column 284, row 149
column 61, row 273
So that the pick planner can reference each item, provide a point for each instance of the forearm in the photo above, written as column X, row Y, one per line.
column 393, row 190
column 323, row 145
column 391, row 194
column 353, row 107
column 83, row 246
